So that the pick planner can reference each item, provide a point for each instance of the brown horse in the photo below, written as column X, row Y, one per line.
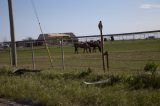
column 95, row 44
column 83, row 45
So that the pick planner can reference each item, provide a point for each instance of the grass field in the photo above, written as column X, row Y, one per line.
column 53, row 87
column 129, row 55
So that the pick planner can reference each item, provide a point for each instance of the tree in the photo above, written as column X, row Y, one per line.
column 28, row 41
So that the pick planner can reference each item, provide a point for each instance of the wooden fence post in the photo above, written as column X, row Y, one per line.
column 100, row 26
column 62, row 52
column 108, row 62
column 33, row 58
column 107, row 59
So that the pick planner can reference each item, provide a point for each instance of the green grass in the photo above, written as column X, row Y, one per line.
column 65, row 87
column 54, row 87
column 129, row 55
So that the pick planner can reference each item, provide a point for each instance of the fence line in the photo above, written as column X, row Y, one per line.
column 36, row 57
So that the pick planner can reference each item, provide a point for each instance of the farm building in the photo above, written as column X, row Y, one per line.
column 55, row 38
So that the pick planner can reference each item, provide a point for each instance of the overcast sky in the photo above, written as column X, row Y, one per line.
column 80, row 17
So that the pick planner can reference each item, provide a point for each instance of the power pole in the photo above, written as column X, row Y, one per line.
column 13, row 43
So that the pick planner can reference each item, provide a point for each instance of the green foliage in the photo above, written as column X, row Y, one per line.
column 52, row 87
column 144, row 81
column 114, row 79
column 151, row 67
column 85, row 73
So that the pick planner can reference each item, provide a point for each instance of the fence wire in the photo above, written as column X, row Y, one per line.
column 37, row 57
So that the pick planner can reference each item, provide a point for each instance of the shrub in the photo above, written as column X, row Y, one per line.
column 138, row 81
column 85, row 73
column 144, row 81
column 150, row 67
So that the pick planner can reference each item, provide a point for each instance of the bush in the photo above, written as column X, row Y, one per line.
column 150, row 67
column 144, row 81
column 85, row 73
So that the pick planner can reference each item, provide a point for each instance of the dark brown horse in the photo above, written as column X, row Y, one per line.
column 94, row 45
column 83, row 45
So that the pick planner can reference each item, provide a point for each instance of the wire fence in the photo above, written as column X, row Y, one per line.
column 33, row 55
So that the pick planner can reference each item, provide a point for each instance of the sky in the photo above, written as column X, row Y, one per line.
column 79, row 16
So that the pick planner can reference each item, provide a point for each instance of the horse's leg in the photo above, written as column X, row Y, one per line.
column 99, row 48
column 94, row 49
column 76, row 50
column 83, row 50
column 86, row 50
column 89, row 50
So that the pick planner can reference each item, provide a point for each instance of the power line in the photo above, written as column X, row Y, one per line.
column 36, row 14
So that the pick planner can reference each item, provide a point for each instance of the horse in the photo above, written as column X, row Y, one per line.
column 95, row 44
column 83, row 45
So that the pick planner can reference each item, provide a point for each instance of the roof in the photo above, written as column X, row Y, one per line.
column 55, row 35
column 58, row 35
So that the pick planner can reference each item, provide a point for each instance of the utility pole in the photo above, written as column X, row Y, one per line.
column 13, row 43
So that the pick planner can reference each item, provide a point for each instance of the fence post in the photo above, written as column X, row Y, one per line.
column 107, row 59
column 100, row 28
column 33, row 58
column 62, row 52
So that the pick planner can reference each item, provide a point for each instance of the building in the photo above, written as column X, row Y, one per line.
column 55, row 38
